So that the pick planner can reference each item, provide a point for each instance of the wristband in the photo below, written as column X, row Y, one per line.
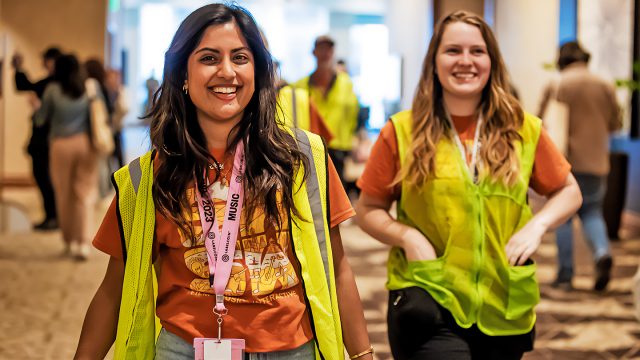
column 368, row 351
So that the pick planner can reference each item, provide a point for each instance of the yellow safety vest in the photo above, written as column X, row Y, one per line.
column 294, row 108
column 339, row 109
column 469, row 226
column 138, row 326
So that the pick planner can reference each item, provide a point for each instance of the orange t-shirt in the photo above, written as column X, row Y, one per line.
column 550, row 168
column 264, row 295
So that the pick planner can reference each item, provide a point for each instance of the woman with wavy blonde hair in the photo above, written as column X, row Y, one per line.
column 459, row 165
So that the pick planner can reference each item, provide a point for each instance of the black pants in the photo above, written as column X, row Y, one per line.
column 419, row 328
column 39, row 150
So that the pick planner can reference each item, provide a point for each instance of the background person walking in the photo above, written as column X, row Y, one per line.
column 38, row 147
column 65, row 107
column 593, row 115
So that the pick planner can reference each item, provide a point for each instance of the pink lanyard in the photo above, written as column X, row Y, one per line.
column 223, row 242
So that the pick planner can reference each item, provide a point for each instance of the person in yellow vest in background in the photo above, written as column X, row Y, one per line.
column 459, row 164
column 225, row 236
column 332, row 92
column 295, row 109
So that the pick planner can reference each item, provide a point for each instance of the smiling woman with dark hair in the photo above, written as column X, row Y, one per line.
column 234, row 216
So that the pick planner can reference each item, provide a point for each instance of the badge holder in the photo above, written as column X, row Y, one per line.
column 218, row 348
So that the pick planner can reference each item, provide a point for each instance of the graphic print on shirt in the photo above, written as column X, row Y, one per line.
column 261, row 266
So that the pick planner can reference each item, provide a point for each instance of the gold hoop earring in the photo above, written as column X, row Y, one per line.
column 185, row 88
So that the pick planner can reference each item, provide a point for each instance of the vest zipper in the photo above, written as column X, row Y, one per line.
column 479, row 256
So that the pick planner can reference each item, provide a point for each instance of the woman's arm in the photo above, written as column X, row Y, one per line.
column 354, row 327
column 560, row 206
column 101, row 322
column 374, row 218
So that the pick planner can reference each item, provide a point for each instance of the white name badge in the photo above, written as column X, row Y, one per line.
column 214, row 350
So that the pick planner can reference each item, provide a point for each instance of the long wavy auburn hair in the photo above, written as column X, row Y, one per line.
column 271, row 153
column 502, row 114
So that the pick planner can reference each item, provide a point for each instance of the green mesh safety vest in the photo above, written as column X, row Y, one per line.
column 138, row 326
column 294, row 105
column 339, row 109
column 469, row 226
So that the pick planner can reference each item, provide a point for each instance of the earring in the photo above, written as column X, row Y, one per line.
column 185, row 88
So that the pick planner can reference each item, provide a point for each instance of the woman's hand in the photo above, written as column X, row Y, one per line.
column 559, row 208
column 525, row 242
column 373, row 217
column 416, row 246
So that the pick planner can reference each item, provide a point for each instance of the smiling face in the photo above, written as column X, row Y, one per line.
column 462, row 62
column 220, row 74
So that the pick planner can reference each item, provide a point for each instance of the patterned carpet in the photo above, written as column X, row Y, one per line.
column 580, row 324
column 43, row 298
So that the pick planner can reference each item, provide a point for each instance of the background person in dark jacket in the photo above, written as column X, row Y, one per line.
column 38, row 146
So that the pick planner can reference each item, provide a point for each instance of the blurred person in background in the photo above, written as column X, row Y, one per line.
column 65, row 108
column 593, row 116
column 38, row 147
column 332, row 92
column 295, row 108
column 459, row 163
column 95, row 70
column 151, row 85
column 341, row 66
column 117, row 95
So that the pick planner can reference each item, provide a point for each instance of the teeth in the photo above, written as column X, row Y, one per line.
column 464, row 76
column 224, row 90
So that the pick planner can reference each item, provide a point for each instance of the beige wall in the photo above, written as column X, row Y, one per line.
column 527, row 31
column 605, row 29
column 410, row 25
column 30, row 26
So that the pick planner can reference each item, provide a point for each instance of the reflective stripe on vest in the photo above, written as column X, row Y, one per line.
column 339, row 109
column 137, row 330
column 315, row 199
column 294, row 116
column 469, row 226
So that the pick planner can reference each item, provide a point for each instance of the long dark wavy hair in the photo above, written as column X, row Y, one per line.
column 69, row 75
column 271, row 152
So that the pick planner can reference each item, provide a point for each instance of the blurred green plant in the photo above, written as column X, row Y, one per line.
column 632, row 85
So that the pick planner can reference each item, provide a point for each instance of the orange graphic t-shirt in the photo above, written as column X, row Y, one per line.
column 264, row 294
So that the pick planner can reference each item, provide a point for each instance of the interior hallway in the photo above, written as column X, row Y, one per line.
column 44, row 298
